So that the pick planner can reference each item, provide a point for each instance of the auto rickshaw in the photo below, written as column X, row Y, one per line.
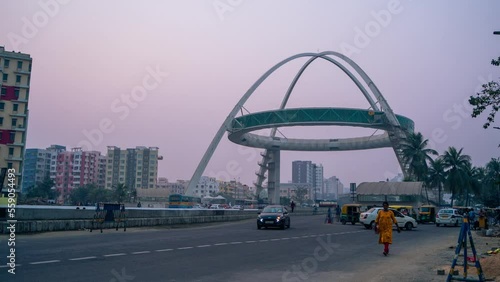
column 406, row 210
column 350, row 213
column 427, row 213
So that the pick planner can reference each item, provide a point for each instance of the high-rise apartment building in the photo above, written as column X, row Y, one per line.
column 302, row 172
column 318, row 181
column 75, row 169
column 38, row 164
column 135, row 167
column 15, row 71
column 306, row 172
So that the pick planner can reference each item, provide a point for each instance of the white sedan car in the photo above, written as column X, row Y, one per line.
column 448, row 217
column 368, row 219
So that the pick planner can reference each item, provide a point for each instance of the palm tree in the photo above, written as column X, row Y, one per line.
column 474, row 183
column 416, row 155
column 120, row 192
column 456, row 171
column 437, row 176
column 492, row 181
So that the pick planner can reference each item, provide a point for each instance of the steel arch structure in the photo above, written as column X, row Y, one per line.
column 394, row 135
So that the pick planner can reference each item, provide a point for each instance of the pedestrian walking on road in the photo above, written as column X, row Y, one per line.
column 292, row 205
column 337, row 213
column 383, row 225
column 329, row 216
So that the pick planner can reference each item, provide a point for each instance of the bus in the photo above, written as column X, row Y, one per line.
column 183, row 201
column 326, row 203
column 246, row 203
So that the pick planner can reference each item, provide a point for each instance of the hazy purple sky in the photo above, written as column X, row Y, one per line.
column 426, row 57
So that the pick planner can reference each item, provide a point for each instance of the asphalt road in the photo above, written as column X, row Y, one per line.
column 309, row 251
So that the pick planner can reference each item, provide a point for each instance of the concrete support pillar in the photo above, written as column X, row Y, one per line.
column 273, row 173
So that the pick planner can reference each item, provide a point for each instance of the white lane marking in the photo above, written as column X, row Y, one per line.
column 2, row 266
column 185, row 248
column 115, row 255
column 164, row 250
column 47, row 261
column 83, row 258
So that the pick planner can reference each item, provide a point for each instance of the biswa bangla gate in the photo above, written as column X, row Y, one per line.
column 379, row 115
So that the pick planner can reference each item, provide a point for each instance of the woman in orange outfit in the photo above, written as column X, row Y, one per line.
column 383, row 222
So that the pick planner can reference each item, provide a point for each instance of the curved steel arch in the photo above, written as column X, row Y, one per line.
column 226, row 124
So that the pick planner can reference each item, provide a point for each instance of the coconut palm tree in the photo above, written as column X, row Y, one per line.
column 437, row 176
column 456, row 171
column 474, row 184
column 416, row 156
column 492, row 183
column 120, row 192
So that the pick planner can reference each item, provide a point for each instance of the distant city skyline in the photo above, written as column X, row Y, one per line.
column 168, row 73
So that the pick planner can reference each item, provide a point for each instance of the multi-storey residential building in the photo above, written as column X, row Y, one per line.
column 302, row 172
column 38, row 164
column 235, row 189
column 318, row 181
column 76, row 169
column 333, row 188
column 173, row 188
column 134, row 167
column 101, row 171
column 306, row 172
column 207, row 186
column 15, row 72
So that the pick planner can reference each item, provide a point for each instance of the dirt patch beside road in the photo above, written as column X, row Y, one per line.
column 422, row 264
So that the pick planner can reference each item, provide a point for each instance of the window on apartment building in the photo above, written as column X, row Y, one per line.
column 9, row 165
column 151, row 186
column 6, row 63
column 2, row 106
column 15, row 107
column 18, row 79
column 14, row 122
column 4, row 91
column 12, row 136
column 19, row 64
column 5, row 77
column 1, row 120
column 11, row 151
column 16, row 93
column 29, row 67
column 139, row 173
